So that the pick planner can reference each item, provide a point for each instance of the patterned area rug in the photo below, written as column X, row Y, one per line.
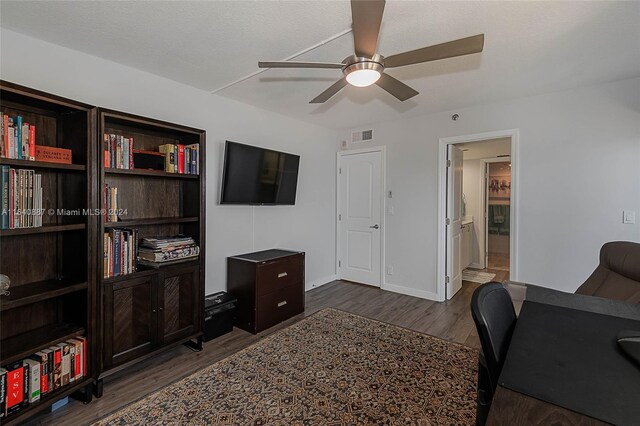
column 477, row 276
column 331, row 368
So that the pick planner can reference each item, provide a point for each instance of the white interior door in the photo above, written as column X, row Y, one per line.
column 360, row 227
column 454, row 220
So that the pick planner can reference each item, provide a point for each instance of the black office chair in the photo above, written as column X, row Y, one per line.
column 495, row 318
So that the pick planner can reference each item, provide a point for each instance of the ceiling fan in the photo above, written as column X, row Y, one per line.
column 366, row 66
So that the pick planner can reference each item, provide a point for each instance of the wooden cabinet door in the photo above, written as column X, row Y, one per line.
column 179, row 304
column 130, row 320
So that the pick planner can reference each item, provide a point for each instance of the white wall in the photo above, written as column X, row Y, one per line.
column 307, row 226
column 471, row 181
column 579, row 167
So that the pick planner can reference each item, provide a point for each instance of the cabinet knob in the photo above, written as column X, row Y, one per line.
column 161, row 309
column 284, row 302
column 282, row 274
column 154, row 311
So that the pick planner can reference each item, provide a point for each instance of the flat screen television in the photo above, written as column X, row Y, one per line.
column 258, row 176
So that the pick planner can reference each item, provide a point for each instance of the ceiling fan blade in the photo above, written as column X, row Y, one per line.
column 450, row 49
column 289, row 64
column 396, row 87
column 335, row 88
column 367, row 17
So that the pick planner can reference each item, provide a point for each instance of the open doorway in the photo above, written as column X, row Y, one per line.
column 478, row 238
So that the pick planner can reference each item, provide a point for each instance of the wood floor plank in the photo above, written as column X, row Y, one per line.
column 450, row 320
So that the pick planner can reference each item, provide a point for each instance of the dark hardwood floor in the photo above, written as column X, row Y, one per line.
column 450, row 320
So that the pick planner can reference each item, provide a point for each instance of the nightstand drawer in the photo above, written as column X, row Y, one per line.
column 282, row 273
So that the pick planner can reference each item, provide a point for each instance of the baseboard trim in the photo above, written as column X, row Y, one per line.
column 423, row 294
column 320, row 282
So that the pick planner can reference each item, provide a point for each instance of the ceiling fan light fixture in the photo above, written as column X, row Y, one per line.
column 363, row 78
column 363, row 74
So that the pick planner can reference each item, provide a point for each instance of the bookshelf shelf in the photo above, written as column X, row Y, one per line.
column 21, row 416
column 26, row 164
column 149, row 173
column 42, row 229
column 151, row 221
column 39, row 291
column 25, row 344
column 145, row 271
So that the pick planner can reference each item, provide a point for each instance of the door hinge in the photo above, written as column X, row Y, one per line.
column 339, row 217
column 448, row 163
column 448, row 221
column 340, row 170
column 339, row 263
column 446, row 279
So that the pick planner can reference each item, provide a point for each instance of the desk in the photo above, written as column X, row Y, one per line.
column 564, row 366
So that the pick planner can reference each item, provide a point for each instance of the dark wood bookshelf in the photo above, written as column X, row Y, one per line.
column 151, row 309
column 39, row 291
column 26, row 164
column 42, row 229
column 53, row 267
column 26, row 344
column 151, row 221
column 149, row 173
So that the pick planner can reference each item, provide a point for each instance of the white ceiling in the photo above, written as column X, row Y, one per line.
column 530, row 48
column 485, row 149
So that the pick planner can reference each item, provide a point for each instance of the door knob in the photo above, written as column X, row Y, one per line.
column 374, row 226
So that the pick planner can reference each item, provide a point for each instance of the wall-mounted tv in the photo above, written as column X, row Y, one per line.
column 258, row 176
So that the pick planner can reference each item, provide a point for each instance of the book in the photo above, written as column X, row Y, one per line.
column 26, row 148
column 180, row 158
column 169, row 151
column 65, row 370
column 57, row 367
column 12, row 197
column 72, row 361
column 18, row 138
column 17, row 392
column 32, row 143
column 3, row 391
column 5, row 136
column 43, row 359
column 50, row 367
column 130, row 154
column 34, row 379
column 4, row 187
column 78, row 367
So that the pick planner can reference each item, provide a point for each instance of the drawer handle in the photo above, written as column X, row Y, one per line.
column 284, row 302
column 282, row 274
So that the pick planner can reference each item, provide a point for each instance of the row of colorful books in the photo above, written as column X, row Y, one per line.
column 160, row 250
column 118, row 152
column 18, row 138
column 21, row 198
column 183, row 159
column 27, row 381
column 110, row 203
column 120, row 252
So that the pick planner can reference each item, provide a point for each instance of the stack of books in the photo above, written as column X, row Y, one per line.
column 118, row 152
column 21, row 198
column 110, row 203
column 183, row 159
column 18, row 138
column 26, row 381
column 155, row 252
column 120, row 247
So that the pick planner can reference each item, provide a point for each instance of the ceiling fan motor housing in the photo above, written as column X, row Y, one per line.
column 355, row 63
